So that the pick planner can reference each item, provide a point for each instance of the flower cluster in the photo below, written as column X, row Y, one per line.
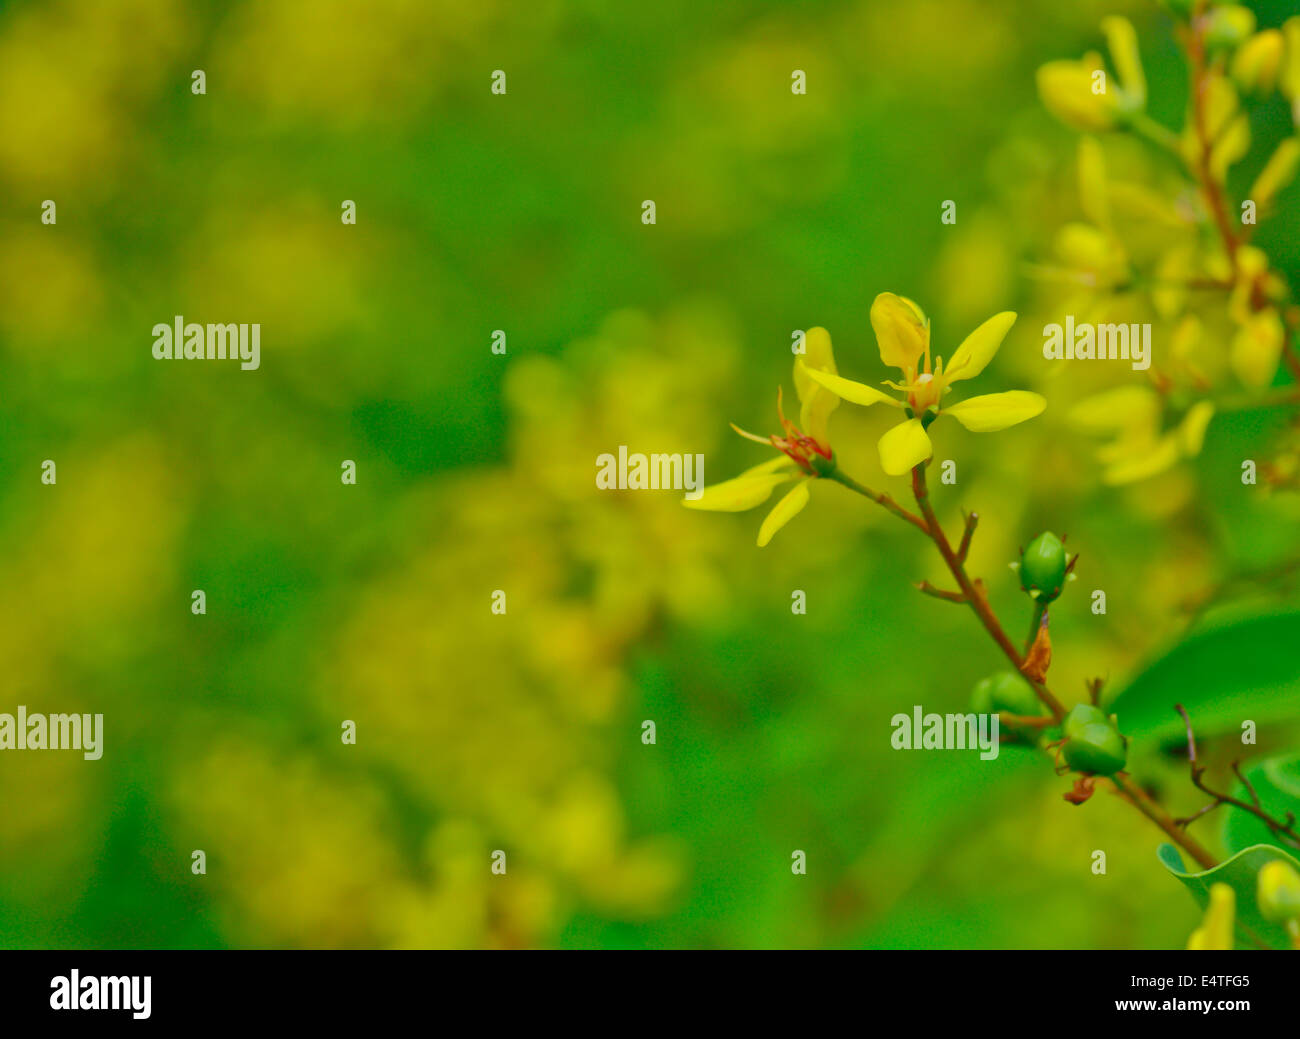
column 1179, row 251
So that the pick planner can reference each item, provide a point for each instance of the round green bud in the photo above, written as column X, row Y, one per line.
column 1005, row 691
column 1042, row 567
column 1097, row 749
column 1228, row 26
column 1278, row 892
column 1081, row 715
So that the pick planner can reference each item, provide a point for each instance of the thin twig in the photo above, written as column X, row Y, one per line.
column 927, row 588
column 972, row 520
column 1284, row 830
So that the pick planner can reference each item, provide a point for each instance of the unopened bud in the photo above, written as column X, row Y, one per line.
column 1043, row 566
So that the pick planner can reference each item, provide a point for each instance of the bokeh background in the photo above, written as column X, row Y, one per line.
column 476, row 472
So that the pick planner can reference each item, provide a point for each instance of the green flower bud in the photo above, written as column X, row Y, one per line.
column 1042, row 567
column 1227, row 26
column 1096, row 749
column 1084, row 714
column 1005, row 691
column 1278, row 892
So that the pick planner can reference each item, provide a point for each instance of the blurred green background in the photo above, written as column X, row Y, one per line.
column 476, row 472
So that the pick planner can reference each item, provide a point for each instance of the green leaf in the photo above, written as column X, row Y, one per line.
column 1277, row 784
column 1223, row 675
column 1239, row 873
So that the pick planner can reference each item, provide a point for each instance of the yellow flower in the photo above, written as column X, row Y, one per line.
column 903, row 332
column 1078, row 93
column 1073, row 91
column 805, row 449
column 1258, row 61
column 1215, row 931
column 1257, row 348
column 1139, row 448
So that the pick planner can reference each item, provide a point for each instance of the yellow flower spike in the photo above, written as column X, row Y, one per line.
column 1257, row 349
column 1215, row 931
column 979, row 348
column 1066, row 89
column 905, row 446
column 1122, row 40
column 995, row 411
column 902, row 330
column 783, row 512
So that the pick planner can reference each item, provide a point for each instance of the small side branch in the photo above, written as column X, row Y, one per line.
column 926, row 588
column 1284, row 829
column 972, row 521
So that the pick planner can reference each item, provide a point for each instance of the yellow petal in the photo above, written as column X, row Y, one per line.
column 783, row 512
column 1083, row 247
column 1277, row 174
column 1143, row 461
column 1093, row 193
column 994, row 411
column 1290, row 75
column 978, row 348
column 1069, row 91
column 1191, row 431
column 736, row 495
column 1231, row 147
column 817, row 356
column 1121, row 37
column 1141, row 202
column 1257, row 62
column 901, row 330
column 817, row 403
column 772, row 465
column 853, row 392
column 1216, row 930
column 904, row 446
column 817, row 350
column 1124, row 407
column 1257, row 348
